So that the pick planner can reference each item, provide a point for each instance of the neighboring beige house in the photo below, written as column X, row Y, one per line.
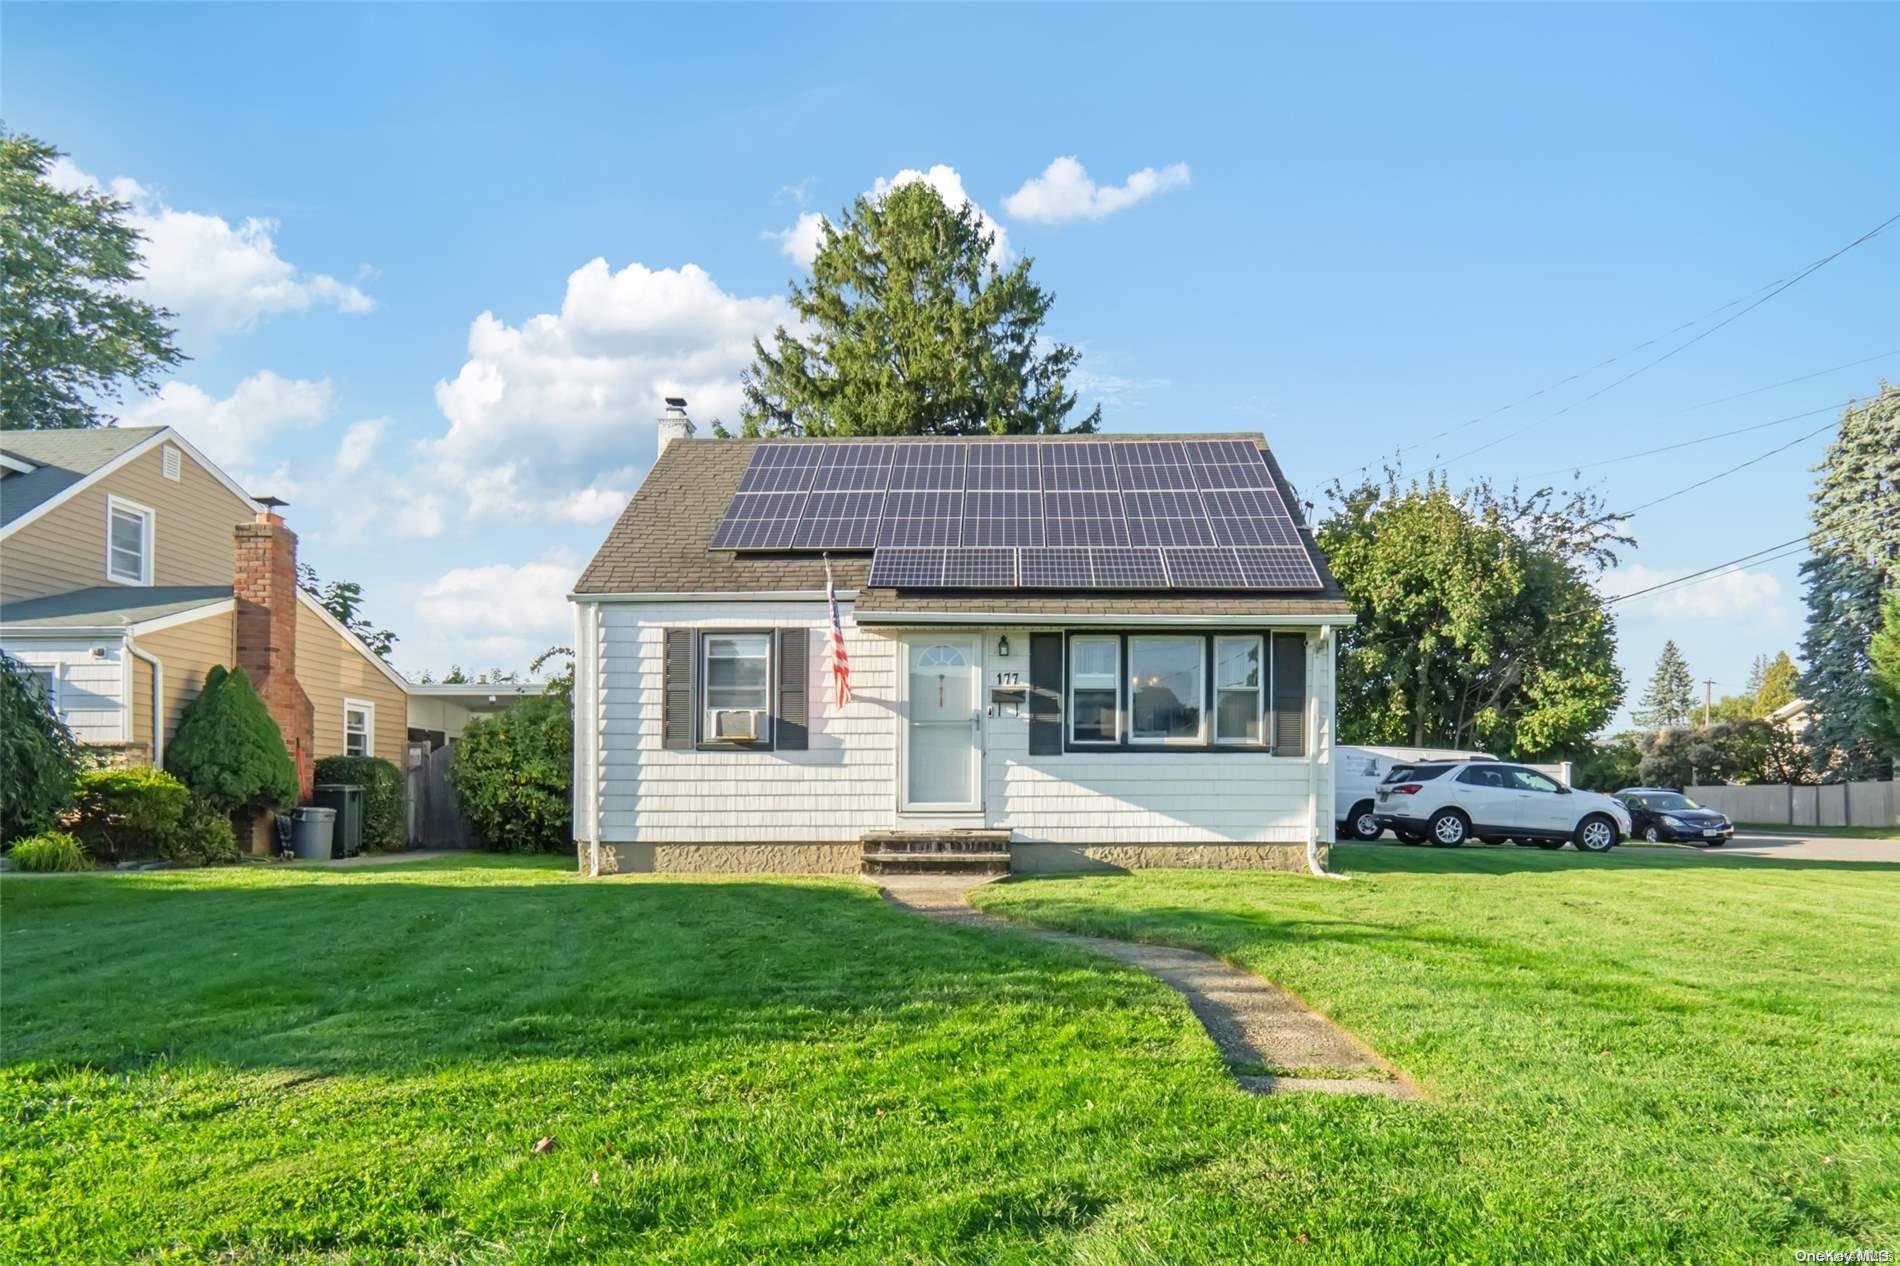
column 130, row 565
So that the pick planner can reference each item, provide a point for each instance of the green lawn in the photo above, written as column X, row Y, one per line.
column 1629, row 1057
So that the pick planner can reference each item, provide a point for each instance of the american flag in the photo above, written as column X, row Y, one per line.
column 840, row 658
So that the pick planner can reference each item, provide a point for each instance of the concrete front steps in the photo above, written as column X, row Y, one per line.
column 935, row 853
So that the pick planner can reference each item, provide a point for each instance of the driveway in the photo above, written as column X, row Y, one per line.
column 1806, row 848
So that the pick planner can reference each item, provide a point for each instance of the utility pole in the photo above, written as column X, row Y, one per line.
column 1708, row 700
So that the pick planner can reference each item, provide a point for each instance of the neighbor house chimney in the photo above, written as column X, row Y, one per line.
column 674, row 424
column 266, row 593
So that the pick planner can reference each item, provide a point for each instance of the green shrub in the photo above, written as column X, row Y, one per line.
column 121, row 813
column 201, row 835
column 38, row 757
column 229, row 751
column 514, row 775
column 385, row 796
column 55, row 850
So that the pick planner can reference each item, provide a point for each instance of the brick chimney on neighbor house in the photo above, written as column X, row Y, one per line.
column 266, row 593
column 674, row 424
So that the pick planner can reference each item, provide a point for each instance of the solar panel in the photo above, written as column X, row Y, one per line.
column 1278, row 567
column 1147, row 465
column 780, row 467
column 1003, row 465
column 935, row 466
column 1203, row 569
column 907, row 569
column 1128, row 569
column 760, row 520
column 852, row 467
column 1249, row 517
column 1002, row 518
column 839, row 520
column 1078, row 466
column 1171, row 517
column 922, row 518
column 1083, row 518
column 1050, row 568
column 979, row 569
column 1228, row 464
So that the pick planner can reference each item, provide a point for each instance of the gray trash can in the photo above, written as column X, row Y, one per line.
column 310, row 833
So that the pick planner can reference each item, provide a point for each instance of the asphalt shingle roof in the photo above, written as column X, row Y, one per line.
column 112, row 604
column 659, row 545
column 63, row 457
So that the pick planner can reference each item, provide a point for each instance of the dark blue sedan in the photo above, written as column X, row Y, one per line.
column 1663, row 813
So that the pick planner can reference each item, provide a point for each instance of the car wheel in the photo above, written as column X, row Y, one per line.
column 1410, row 837
column 1364, row 825
column 1596, row 834
column 1651, row 834
column 1449, row 829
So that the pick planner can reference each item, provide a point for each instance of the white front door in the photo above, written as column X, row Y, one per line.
column 943, row 730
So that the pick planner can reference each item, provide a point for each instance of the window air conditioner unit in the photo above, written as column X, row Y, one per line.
column 736, row 725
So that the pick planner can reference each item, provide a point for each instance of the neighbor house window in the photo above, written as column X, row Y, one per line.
column 45, row 683
column 1095, row 689
column 1240, row 674
column 359, row 728
column 1165, row 679
column 128, row 542
column 737, row 672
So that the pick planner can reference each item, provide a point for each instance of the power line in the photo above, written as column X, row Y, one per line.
column 1681, row 583
column 1701, row 483
column 1753, row 556
column 1789, row 382
column 1759, row 296
column 1703, row 439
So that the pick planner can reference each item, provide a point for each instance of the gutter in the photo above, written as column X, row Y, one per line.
column 1011, row 619
column 731, row 595
column 1325, row 639
column 158, row 696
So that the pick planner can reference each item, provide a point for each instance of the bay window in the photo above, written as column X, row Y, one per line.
column 1165, row 676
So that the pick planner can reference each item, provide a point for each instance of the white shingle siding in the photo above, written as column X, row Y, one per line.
column 633, row 790
column 93, row 678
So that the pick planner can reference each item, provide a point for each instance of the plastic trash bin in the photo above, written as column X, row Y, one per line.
column 311, row 832
column 347, row 799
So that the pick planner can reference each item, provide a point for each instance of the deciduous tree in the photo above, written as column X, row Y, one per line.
column 344, row 600
column 909, row 327
column 72, row 337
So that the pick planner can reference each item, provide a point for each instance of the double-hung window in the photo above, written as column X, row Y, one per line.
column 1165, row 680
column 1095, row 689
column 1240, row 678
column 128, row 542
column 359, row 728
column 737, row 672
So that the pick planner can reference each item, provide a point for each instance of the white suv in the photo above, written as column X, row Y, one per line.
column 1447, row 802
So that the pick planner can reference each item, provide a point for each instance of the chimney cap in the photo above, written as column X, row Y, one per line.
column 271, row 502
column 676, row 402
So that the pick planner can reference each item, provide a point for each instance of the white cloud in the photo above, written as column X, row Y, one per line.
column 500, row 599
column 1754, row 598
column 220, row 277
column 359, row 443
column 233, row 430
column 1064, row 192
column 554, row 418
column 799, row 242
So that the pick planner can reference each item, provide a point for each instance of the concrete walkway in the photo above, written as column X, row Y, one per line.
column 1272, row 1043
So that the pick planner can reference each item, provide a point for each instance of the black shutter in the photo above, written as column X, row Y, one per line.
column 1045, row 694
column 676, row 708
column 1289, row 694
column 794, row 674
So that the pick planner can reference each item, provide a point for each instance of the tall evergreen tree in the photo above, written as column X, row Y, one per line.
column 908, row 327
column 71, row 336
column 1757, row 673
column 1671, row 694
column 1883, row 655
column 1856, row 560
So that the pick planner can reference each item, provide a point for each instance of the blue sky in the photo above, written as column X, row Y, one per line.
column 1362, row 226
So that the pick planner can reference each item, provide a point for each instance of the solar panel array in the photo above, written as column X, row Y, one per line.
column 1005, row 514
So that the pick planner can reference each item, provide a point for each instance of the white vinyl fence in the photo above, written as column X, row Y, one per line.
column 1837, row 804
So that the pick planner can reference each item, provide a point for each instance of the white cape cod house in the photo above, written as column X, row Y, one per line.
column 1065, row 653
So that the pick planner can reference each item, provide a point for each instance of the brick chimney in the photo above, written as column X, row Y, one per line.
column 266, row 592
column 674, row 424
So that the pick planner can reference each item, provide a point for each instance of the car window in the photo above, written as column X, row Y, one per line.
column 1483, row 776
column 1530, row 780
column 1416, row 773
column 1669, row 801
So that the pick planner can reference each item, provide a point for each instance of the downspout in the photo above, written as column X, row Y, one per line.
column 158, row 695
column 1324, row 640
